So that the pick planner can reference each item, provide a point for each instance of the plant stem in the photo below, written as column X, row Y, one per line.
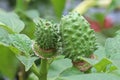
column 21, row 72
column 21, row 5
column 35, row 70
column 43, row 69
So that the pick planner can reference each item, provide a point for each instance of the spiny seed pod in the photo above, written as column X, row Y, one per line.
column 46, row 38
column 77, row 37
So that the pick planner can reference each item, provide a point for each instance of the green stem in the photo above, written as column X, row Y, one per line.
column 43, row 69
column 35, row 70
column 21, row 5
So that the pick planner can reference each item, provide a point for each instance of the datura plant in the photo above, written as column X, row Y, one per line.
column 63, row 50
column 74, row 32
column 72, row 38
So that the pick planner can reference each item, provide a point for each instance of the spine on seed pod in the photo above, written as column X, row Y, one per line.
column 46, row 42
column 77, row 37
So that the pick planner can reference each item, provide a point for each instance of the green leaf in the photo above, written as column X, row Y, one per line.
column 27, row 61
column 58, row 6
column 112, row 47
column 94, row 76
column 8, row 63
column 100, row 52
column 21, row 42
column 105, row 65
column 100, row 38
column 57, row 67
column 14, row 50
column 117, row 72
column 4, row 39
column 70, row 71
column 116, row 62
column 101, row 65
column 11, row 22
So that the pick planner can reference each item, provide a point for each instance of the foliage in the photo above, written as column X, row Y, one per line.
column 14, row 38
column 11, row 22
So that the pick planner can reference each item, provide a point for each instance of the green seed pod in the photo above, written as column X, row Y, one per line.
column 77, row 37
column 46, row 38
